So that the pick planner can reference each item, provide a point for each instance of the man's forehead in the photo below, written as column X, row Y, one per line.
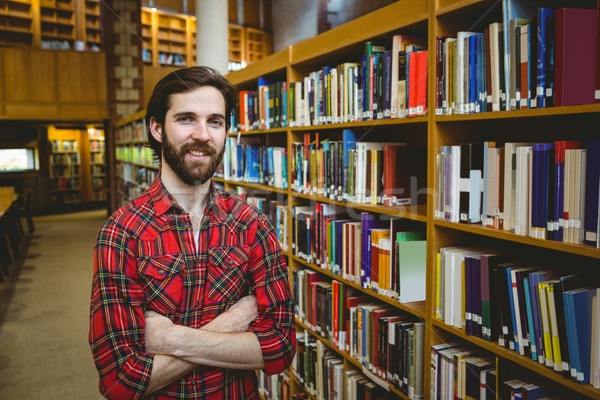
column 206, row 97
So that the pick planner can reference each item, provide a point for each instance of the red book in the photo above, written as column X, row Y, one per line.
column 335, row 311
column 243, row 100
column 575, row 73
column 421, row 101
column 376, row 315
column 524, row 65
column 412, row 84
column 351, row 301
column 312, row 277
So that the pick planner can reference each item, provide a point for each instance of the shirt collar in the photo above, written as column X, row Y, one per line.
column 163, row 200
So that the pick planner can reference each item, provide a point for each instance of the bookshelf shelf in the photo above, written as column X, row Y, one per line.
column 587, row 390
column 415, row 213
column 362, row 124
column 296, row 381
column 260, row 132
column 255, row 186
column 579, row 249
column 532, row 113
column 417, row 308
column 357, row 365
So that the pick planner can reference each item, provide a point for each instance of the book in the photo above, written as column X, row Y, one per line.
column 575, row 56
column 544, row 18
column 592, row 197
column 411, row 252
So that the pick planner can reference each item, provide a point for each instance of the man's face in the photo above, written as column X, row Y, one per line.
column 194, row 134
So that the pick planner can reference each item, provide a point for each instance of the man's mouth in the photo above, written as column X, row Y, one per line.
column 198, row 153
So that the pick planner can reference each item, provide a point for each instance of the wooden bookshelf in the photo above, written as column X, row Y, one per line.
column 170, row 40
column 428, row 19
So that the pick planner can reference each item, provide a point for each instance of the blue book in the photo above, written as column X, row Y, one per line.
column 241, row 153
column 529, row 307
column 349, row 143
column 542, row 38
column 284, row 168
column 570, row 322
column 472, row 68
column 481, row 81
column 270, row 166
column 592, row 188
column 368, row 222
column 582, row 301
column 252, row 170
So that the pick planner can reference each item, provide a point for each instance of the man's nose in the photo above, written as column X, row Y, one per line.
column 200, row 133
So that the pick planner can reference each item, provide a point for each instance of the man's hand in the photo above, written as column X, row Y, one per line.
column 237, row 318
column 156, row 332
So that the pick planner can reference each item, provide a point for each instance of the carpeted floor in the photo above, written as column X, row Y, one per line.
column 44, row 313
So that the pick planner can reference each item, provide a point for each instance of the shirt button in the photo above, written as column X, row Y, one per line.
column 197, row 304
column 193, row 382
column 230, row 262
column 161, row 271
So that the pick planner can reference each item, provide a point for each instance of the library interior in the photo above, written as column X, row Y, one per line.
column 416, row 170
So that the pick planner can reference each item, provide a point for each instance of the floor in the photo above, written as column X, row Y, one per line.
column 44, row 313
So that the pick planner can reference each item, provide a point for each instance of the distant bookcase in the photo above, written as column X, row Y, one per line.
column 77, row 169
column 317, row 344
column 51, row 24
column 170, row 40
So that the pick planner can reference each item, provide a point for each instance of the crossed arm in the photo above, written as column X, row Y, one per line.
column 223, row 343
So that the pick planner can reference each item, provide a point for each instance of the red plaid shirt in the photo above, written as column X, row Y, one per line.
column 146, row 259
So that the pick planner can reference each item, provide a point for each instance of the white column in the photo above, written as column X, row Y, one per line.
column 212, row 34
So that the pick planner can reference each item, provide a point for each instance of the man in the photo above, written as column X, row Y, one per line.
column 190, row 292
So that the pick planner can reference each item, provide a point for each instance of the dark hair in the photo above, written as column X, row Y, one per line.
column 182, row 81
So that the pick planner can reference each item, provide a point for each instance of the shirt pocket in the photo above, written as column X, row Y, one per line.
column 162, row 281
column 227, row 266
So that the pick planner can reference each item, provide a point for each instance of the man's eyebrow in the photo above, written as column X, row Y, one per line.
column 191, row 113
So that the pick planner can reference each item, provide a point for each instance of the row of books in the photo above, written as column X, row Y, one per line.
column 265, row 108
column 67, row 183
column 97, row 158
column 551, row 315
column 389, row 81
column 64, row 145
column 461, row 371
column 274, row 387
column 135, row 153
column 532, row 59
column 140, row 176
column 276, row 212
column 67, row 158
column 543, row 190
column 344, row 169
column 321, row 372
column 97, row 145
column 376, row 252
column 387, row 343
column 247, row 160
column 64, row 171
column 135, row 130
column 97, row 170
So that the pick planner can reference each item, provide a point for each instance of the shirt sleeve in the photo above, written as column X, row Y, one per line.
column 117, row 318
column 274, row 326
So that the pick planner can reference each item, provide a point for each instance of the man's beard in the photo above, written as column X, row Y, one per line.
column 191, row 173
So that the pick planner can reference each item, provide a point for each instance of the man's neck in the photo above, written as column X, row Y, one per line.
column 192, row 198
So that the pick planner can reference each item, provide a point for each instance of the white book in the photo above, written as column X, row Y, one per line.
column 522, row 191
column 580, row 216
column 510, row 183
column 495, row 60
column 567, row 209
column 455, row 184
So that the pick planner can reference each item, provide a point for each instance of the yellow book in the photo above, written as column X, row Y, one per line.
column 548, row 357
column 376, row 267
column 554, row 328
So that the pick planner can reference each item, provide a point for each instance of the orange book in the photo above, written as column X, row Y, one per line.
column 376, row 267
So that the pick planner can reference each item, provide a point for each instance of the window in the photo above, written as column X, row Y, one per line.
column 14, row 160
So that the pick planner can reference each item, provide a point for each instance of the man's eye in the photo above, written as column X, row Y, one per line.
column 216, row 122
column 184, row 119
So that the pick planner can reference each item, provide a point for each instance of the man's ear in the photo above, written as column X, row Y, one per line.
column 156, row 130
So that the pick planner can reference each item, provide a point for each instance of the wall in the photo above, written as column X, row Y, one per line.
column 293, row 21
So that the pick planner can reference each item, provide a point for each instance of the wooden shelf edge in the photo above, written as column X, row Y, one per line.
column 458, row 5
column 532, row 113
column 587, row 389
column 362, row 124
column 259, row 132
column 418, row 308
column 257, row 186
column 579, row 249
column 415, row 213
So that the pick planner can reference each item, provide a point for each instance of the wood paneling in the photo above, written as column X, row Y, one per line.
column 151, row 77
column 52, row 85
